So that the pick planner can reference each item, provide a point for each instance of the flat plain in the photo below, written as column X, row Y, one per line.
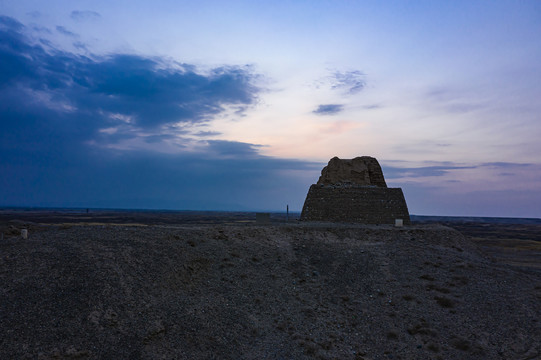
column 195, row 285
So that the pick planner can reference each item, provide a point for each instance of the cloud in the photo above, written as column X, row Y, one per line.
column 392, row 172
column 420, row 147
column 349, row 81
column 207, row 133
column 80, row 45
column 372, row 107
column 79, row 15
column 329, row 109
column 151, row 139
column 502, row 164
column 34, row 14
column 122, row 89
column 224, row 148
column 64, row 31
column 10, row 24
column 118, row 131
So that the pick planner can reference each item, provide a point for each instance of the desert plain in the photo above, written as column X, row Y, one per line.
column 194, row 285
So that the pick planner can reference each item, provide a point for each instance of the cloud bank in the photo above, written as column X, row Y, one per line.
column 125, row 131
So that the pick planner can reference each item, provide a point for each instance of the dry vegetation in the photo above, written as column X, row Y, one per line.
column 262, row 292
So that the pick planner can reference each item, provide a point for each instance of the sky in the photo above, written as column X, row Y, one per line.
column 237, row 105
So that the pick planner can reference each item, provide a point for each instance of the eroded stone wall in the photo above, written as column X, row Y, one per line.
column 362, row 170
column 357, row 204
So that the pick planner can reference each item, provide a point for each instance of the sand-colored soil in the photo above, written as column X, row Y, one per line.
column 262, row 292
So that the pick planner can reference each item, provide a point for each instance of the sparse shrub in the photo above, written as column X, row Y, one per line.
column 408, row 297
column 391, row 335
column 426, row 277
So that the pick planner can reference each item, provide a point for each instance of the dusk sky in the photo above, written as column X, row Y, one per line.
column 237, row 105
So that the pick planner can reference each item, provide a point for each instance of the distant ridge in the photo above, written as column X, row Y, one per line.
column 471, row 219
column 31, row 213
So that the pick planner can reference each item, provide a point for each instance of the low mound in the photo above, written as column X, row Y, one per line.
column 262, row 292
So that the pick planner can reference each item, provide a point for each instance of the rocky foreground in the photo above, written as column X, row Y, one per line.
column 262, row 292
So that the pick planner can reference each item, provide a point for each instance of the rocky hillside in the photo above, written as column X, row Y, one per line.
column 262, row 292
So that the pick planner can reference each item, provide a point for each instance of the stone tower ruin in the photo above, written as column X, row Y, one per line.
column 354, row 191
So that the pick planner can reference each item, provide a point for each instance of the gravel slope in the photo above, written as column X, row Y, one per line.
column 262, row 292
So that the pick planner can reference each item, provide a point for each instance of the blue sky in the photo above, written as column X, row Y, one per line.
column 238, row 105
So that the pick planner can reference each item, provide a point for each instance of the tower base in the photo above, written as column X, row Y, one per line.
column 355, row 204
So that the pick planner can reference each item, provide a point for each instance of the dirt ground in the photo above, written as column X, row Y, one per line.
column 238, row 290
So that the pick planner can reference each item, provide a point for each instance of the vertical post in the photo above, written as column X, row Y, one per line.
column 287, row 210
